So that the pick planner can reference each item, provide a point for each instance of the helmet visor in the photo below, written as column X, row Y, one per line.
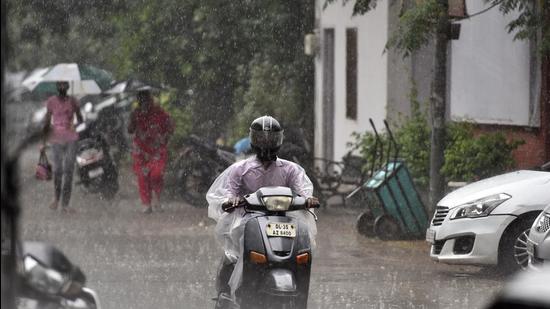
column 266, row 139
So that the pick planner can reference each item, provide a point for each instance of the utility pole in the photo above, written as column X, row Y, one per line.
column 438, row 103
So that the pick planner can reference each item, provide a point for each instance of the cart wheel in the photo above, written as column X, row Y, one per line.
column 365, row 224
column 387, row 228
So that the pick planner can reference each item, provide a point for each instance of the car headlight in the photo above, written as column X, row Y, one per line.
column 481, row 207
column 277, row 203
column 42, row 278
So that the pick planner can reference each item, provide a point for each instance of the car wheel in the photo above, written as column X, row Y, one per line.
column 513, row 254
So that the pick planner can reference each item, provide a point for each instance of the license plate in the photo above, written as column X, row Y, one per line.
column 430, row 236
column 281, row 230
column 95, row 172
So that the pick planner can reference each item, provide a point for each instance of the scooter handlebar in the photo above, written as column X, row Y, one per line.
column 228, row 205
column 302, row 204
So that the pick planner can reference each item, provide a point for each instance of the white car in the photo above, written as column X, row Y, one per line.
column 538, row 243
column 487, row 222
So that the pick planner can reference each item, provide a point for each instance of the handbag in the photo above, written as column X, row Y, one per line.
column 43, row 168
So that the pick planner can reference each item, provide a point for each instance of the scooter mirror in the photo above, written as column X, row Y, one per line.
column 88, row 107
column 47, row 269
column 81, row 127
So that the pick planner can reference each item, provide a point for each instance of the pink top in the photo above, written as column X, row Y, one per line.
column 62, row 110
column 249, row 175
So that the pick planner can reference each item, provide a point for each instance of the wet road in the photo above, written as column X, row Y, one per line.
column 169, row 260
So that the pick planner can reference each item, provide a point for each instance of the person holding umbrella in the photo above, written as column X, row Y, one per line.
column 151, row 127
column 59, row 130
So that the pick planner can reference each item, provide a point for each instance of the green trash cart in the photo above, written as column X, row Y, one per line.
column 394, row 207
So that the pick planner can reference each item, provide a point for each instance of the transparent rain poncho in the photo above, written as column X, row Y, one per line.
column 230, row 226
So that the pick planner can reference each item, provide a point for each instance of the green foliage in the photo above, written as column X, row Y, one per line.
column 359, row 8
column 366, row 145
column 181, row 118
column 469, row 158
column 49, row 32
column 414, row 140
column 271, row 92
column 274, row 90
column 207, row 50
column 532, row 21
column 417, row 23
column 416, row 27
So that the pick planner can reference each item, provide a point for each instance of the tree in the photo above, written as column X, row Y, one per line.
column 209, row 52
column 427, row 20
column 206, row 50
column 48, row 32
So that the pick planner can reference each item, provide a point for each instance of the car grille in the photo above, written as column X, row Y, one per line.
column 438, row 246
column 544, row 224
column 440, row 214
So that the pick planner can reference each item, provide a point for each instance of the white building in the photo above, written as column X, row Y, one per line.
column 492, row 78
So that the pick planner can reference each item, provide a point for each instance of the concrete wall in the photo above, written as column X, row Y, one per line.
column 400, row 74
column 372, row 30
column 490, row 74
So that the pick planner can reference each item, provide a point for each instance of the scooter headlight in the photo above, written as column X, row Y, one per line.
column 277, row 203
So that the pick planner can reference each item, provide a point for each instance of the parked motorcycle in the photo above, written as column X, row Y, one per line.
column 96, row 168
column 277, row 254
column 47, row 279
column 112, row 117
column 198, row 164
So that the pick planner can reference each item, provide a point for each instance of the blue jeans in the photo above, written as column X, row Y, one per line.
column 64, row 156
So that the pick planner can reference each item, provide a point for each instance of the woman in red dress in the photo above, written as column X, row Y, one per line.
column 152, row 128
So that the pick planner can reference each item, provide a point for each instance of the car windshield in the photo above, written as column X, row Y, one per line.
column 415, row 133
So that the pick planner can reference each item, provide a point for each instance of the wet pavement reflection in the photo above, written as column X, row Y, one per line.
column 169, row 260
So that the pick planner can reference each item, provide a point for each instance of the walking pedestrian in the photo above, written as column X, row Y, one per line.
column 59, row 130
column 152, row 128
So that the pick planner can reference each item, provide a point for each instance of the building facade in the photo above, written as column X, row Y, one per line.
column 494, row 81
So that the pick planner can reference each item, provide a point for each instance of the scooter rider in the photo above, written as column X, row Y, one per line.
column 247, row 176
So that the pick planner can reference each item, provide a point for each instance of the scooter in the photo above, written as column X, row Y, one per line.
column 47, row 279
column 277, row 254
column 111, row 116
column 96, row 168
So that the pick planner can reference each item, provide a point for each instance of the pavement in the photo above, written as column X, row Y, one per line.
column 169, row 260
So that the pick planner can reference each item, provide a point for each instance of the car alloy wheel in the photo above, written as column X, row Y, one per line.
column 520, row 249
